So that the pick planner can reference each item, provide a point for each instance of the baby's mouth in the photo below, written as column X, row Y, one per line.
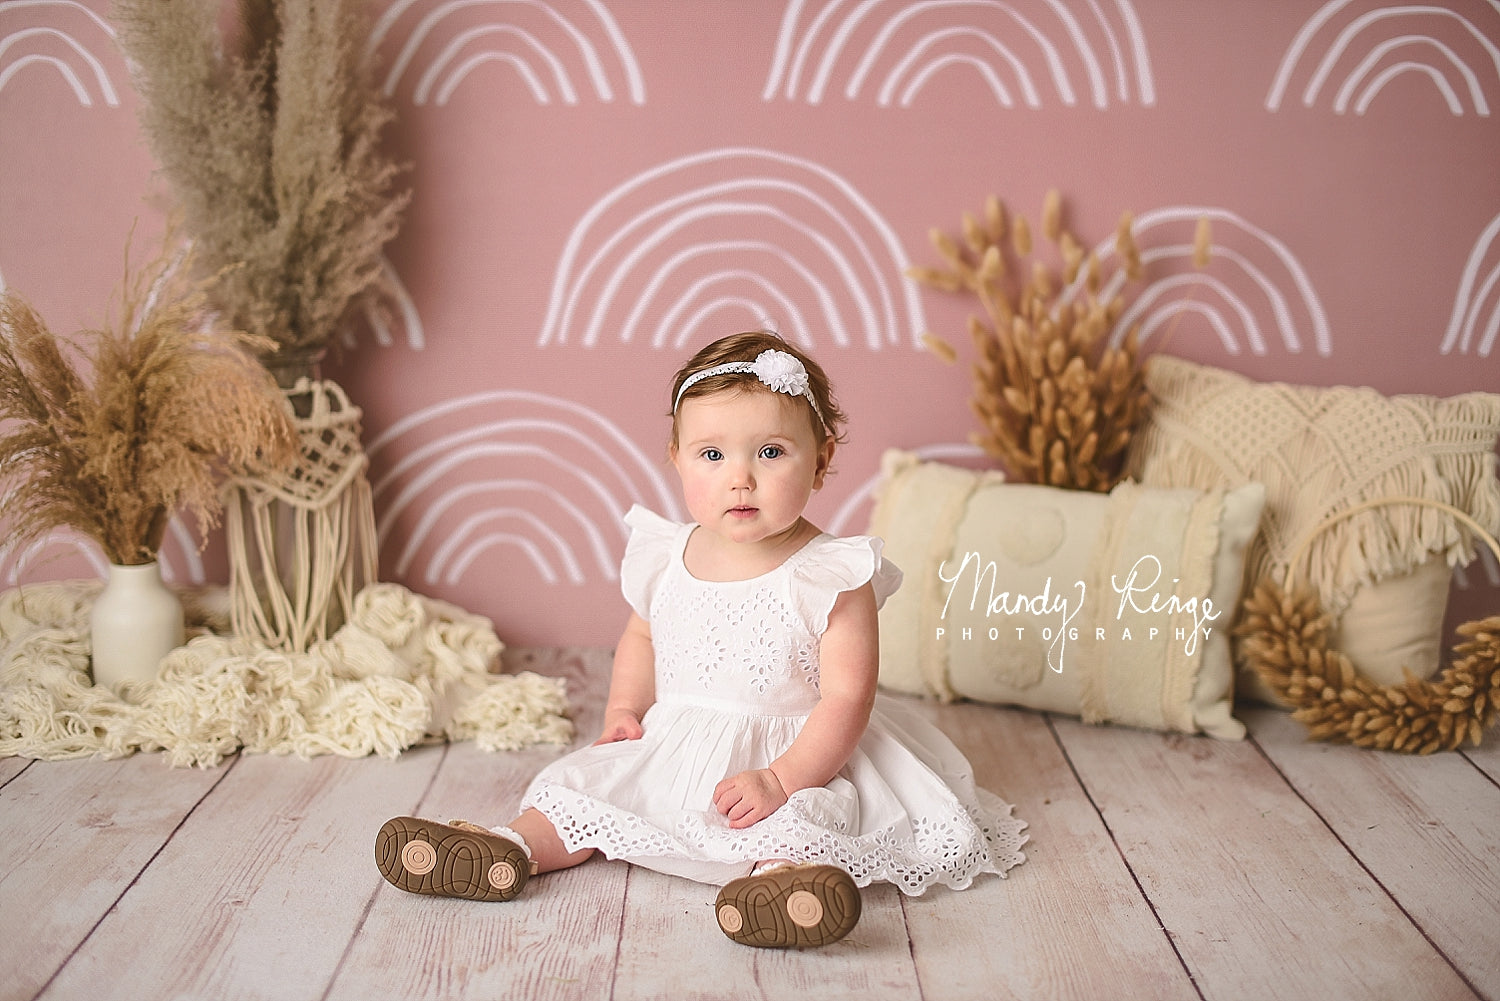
column 743, row 510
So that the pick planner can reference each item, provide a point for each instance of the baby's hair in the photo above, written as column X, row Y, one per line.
column 745, row 347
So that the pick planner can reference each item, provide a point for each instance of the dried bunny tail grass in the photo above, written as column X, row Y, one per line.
column 1020, row 235
column 1126, row 246
column 1055, row 402
column 940, row 347
column 1203, row 240
column 135, row 419
column 1285, row 638
column 273, row 155
column 1052, row 227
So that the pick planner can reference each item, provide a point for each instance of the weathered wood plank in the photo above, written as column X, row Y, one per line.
column 1428, row 828
column 1022, row 936
column 671, row 947
column 76, row 834
column 11, row 767
column 1260, row 898
column 1486, row 757
column 268, row 886
column 260, row 893
column 557, row 940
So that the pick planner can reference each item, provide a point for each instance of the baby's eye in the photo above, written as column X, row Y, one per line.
column 712, row 454
column 772, row 452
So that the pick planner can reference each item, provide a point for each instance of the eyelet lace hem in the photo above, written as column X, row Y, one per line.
column 949, row 851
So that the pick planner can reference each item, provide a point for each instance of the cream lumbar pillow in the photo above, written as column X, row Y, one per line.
column 1383, row 573
column 1115, row 608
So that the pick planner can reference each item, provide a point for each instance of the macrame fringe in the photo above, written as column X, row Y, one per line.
column 1454, row 465
column 302, row 546
column 383, row 682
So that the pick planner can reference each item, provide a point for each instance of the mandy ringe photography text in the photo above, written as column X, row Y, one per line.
column 1138, row 593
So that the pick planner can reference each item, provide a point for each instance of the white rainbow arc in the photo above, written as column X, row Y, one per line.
column 93, row 67
column 857, row 252
column 452, row 65
column 446, row 86
column 918, row 79
column 799, row 55
column 438, row 474
column 1477, row 286
column 1360, row 87
column 181, row 562
column 860, row 497
column 394, row 290
column 1155, row 304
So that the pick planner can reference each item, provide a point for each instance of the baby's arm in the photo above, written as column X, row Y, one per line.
column 849, row 658
column 632, row 683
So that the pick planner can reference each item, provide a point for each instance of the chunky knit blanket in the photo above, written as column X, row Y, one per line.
column 403, row 669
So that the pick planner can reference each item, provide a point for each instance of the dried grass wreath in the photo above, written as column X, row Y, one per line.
column 1284, row 634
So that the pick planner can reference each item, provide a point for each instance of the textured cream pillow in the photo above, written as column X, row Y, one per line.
column 1115, row 607
column 1319, row 451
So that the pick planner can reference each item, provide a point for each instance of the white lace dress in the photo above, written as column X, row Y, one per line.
column 736, row 676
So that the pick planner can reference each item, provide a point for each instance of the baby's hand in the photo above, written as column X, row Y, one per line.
column 619, row 724
column 749, row 797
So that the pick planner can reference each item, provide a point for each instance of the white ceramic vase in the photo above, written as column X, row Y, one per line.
column 135, row 622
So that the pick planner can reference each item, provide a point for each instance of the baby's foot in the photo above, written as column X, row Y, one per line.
column 457, row 859
column 793, row 906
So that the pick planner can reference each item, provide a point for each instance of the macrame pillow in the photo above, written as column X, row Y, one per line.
column 1113, row 607
column 1383, row 574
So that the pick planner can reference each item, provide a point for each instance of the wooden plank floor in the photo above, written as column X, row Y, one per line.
column 1159, row 867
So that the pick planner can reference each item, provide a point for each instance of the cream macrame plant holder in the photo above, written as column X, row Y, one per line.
column 303, row 545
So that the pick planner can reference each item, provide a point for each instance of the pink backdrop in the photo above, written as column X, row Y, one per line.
column 601, row 186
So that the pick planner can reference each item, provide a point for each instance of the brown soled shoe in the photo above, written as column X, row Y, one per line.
column 794, row 906
column 456, row 859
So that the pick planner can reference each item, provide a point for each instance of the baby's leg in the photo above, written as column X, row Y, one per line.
column 546, row 847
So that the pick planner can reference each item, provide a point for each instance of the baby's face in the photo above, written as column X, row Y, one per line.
column 749, row 462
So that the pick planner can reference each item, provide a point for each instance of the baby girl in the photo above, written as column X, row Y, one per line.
column 744, row 744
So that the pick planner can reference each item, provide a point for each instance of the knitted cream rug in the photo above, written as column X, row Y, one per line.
column 403, row 669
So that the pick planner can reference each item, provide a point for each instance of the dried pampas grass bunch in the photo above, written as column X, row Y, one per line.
column 1056, row 402
column 112, row 431
column 273, row 154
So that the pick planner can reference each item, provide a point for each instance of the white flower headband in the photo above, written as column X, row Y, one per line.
column 781, row 373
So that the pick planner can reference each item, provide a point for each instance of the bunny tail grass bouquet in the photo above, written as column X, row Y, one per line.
column 1057, row 403
column 110, row 432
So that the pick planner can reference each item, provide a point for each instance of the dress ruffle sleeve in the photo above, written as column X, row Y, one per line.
column 835, row 565
column 647, row 554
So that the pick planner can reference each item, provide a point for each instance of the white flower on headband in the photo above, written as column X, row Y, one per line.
column 781, row 372
column 778, row 371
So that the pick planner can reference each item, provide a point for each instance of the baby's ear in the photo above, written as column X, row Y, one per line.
column 825, row 461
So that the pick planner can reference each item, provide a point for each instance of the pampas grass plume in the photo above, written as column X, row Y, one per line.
column 272, row 150
column 111, row 431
